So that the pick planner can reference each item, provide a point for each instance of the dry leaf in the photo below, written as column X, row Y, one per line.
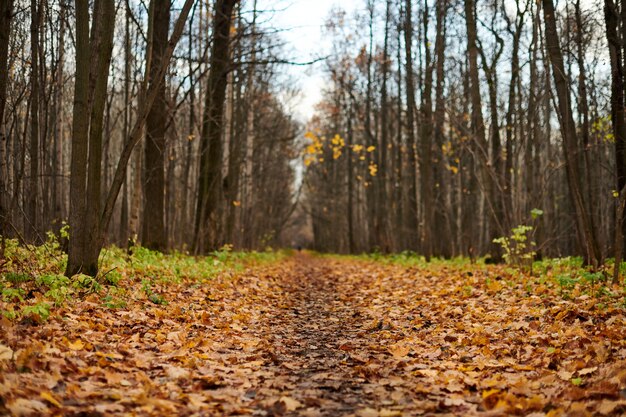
column 6, row 353
column 290, row 403
column 399, row 350
column 26, row 408
column 176, row 372
column 367, row 412
column 50, row 398
column 76, row 345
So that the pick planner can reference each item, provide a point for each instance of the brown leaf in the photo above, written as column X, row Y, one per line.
column 26, row 408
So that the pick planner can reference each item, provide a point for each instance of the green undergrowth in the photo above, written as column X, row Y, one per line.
column 566, row 278
column 32, row 284
column 411, row 259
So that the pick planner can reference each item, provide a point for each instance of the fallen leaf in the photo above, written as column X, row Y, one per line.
column 50, row 398
column 76, row 345
column 25, row 408
column 176, row 372
column 367, row 412
column 607, row 407
column 290, row 403
column 389, row 413
column 399, row 350
column 587, row 371
column 6, row 353
column 565, row 375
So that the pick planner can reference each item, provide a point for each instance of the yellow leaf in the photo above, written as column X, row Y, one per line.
column 50, row 398
column 371, row 148
column 490, row 392
column 77, row 345
column 236, row 203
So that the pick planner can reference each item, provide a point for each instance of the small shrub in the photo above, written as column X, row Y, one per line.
column 38, row 312
column 17, row 277
column 12, row 294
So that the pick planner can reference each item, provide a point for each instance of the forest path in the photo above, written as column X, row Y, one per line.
column 320, row 333
column 322, row 336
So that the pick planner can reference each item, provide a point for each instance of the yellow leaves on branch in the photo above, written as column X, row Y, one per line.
column 316, row 147
column 373, row 168
column 337, row 145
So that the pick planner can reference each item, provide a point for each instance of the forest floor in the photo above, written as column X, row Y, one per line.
column 321, row 336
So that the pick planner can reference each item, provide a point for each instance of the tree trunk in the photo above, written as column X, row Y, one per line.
column 93, row 56
column 154, row 236
column 88, row 222
column 381, row 179
column 570, row 138
column 618, row 106
column 442, row 245
column 477, row 125
column 6, row 15
column 210, row 191
column 32, row 229
column 426, row 177
column 411, row 108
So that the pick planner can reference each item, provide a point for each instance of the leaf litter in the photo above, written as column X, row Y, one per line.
column 323, row 337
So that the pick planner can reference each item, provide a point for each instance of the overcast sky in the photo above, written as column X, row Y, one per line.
column 303, row 21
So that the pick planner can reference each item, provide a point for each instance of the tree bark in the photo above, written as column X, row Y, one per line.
column 93, row 56
column 570, row 138
column 426, row 177
column 618, row 106
column 88, row 222
column 6, row 15
column 442, row 245
column 154, row 236
column 210, row 188
column 477, row 126
column 32, row 211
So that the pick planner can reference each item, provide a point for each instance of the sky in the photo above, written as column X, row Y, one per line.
column 303, row 22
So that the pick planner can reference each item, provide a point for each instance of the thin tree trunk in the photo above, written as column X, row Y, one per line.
column 154, row 236
column 426, row 177
column 411, row 108
column 618, row 108
column 33, row 191
column 383, row 175
column 477, row 124
column 442, row 245
column 248, row 189
column 80, row 135
column 570, row 138
column 6, row 15
column 211, row 195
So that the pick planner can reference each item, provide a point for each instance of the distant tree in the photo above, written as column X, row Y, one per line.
column 210, row 192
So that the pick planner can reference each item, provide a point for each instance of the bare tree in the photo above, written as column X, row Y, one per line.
column 210, row 191
column 154, row 236
column 584, row 226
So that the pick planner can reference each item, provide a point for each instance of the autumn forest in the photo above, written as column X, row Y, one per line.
column 441, row 233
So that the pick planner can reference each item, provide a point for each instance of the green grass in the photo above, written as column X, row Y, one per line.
column 37, row 271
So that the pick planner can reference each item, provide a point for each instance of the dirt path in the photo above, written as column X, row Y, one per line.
column 322, row 337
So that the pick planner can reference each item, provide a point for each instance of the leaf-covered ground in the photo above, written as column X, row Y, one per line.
column 322, row 337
